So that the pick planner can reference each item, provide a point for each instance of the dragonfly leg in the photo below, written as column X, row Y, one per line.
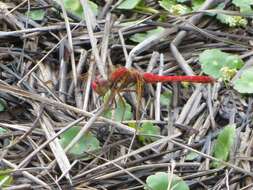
column 128, row 90
column 139, row 90
column 123, row 105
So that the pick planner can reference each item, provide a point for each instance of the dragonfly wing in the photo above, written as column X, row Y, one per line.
column 139, row 90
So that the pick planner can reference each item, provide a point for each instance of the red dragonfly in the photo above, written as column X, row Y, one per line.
column 120, row 79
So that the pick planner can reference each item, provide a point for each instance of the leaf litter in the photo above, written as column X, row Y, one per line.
column 41, row 105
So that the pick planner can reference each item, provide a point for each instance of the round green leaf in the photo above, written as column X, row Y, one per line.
column 93, row 7
column 128, row 4
column 244, row 84
column 148, row 129
column 196, row 4
column 245, row 6
column 36, row 14
column 139, row 37
column 179, row 9
column 191, row 156
column 121, row 112
column 231, row 20
column 174, row 8
column 214, row 62
column 166, row 98
column 75, row 7
column 86, row 144
column 167, row 4
column 160, row 181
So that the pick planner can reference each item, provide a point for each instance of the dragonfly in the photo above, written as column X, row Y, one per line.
column 122, row 78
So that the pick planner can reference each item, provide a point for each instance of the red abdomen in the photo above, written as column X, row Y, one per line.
column 152, row 78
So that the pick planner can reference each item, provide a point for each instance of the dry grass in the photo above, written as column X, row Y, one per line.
column 41, row 66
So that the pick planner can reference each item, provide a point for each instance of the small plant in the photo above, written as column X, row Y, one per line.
column 2, row 131
column 147, row 129
column 129, row 4
column 191, row 156
column 76, row 8
column 3, row 105
column 121, row 112
column 138, row 5
column 244, row 84
column 36, row 15
column 196, row 4
column 220, row 65
column 166, row 98
column 177, row 7
column 86, row 144
column 174, row 7
column 244, row 5
column 160, row 181
column 223, row 144
column 232, row 21
column 139, row 37
column 6, row 180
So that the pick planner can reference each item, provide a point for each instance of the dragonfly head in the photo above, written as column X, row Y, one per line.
column 100, row 86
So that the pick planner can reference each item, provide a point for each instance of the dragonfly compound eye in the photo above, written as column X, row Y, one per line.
column 100, row 86
column 94, row 86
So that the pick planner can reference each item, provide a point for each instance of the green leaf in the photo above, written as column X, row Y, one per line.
column 75, row 7
column 219, row 64
column 244, row 84
column 139, row 37
column 166, row 97
column 160, row 181
column 36, row 14
column 191, row 156
column 2, row 131
column 173, row 7
column 86, row 144
column 148, row 129
column 167, row 4
column 196, row 4
column 145, row 9
column 6, row 180
column 245, row 6
column 121, row 112
column 129, row 4
column 232, row 21
column 2, row 108
column 3, row 105
column 133, row 125
column 223, row 144
column 179, row 9
column 93, row 7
